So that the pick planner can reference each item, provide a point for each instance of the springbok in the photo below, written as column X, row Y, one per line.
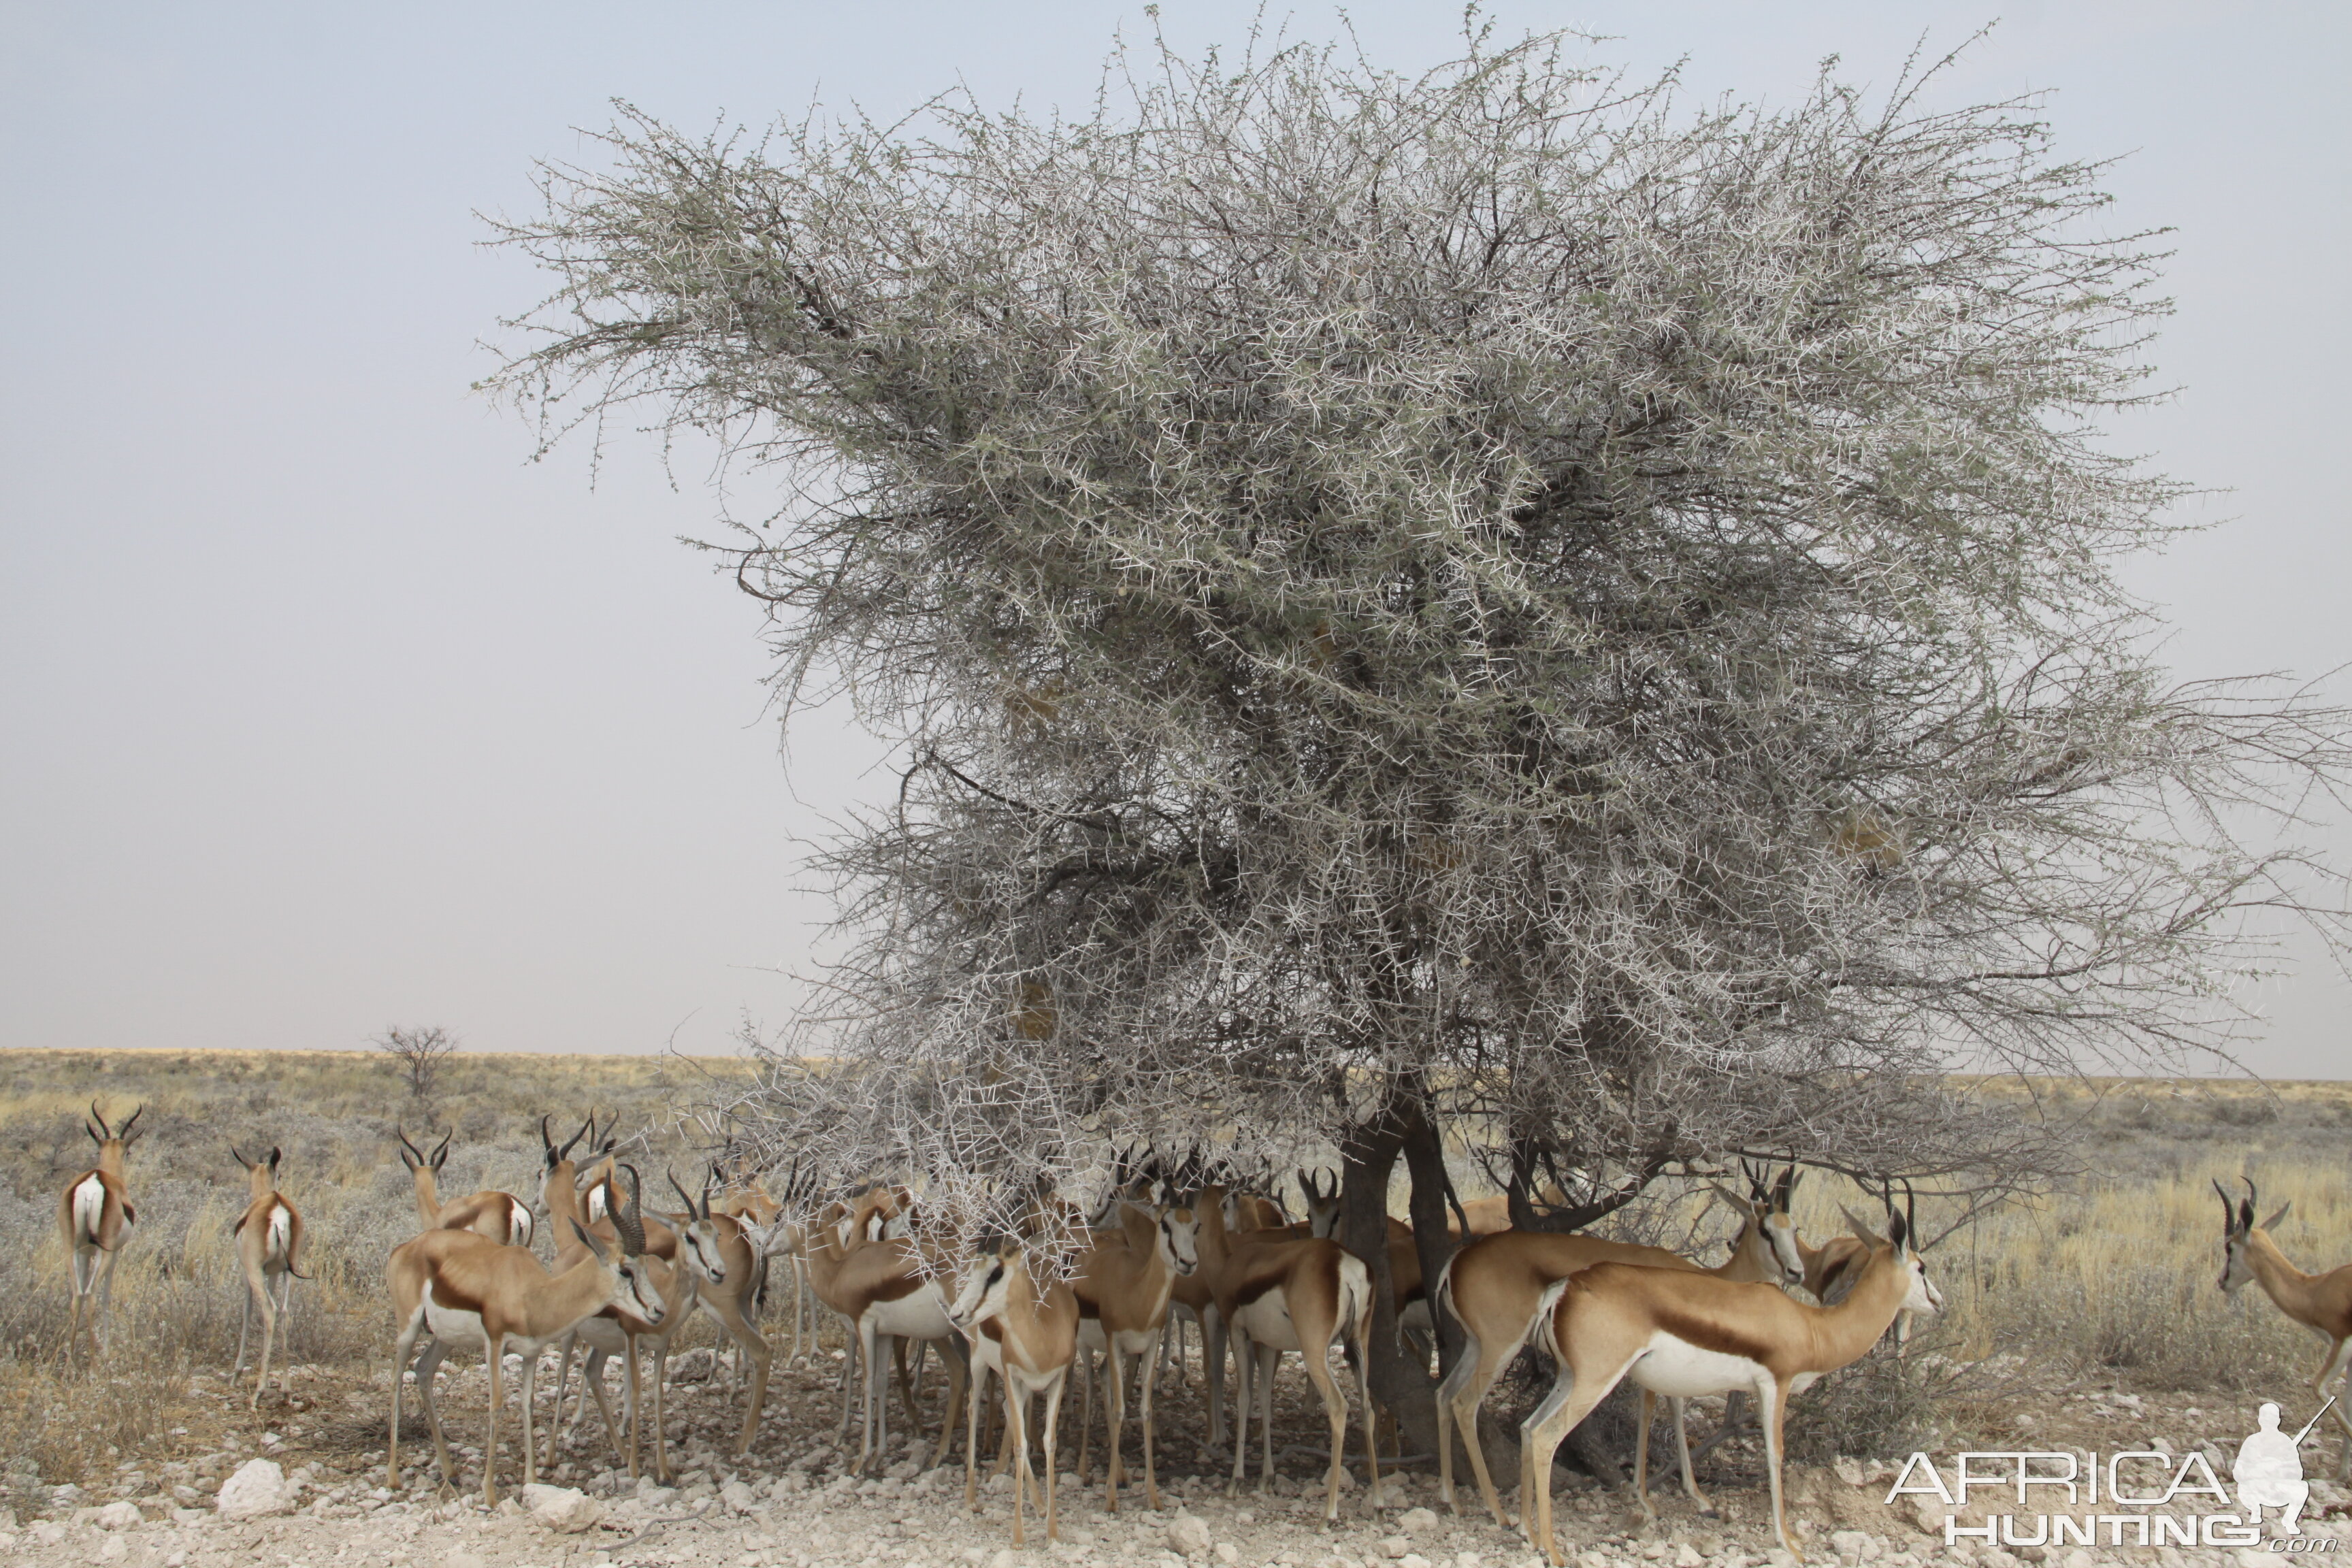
column 1410, row 1295
column 880, row 1287
column 616, row 1330
column 731, row 1288
column 269, row 1241
column 1122, row 1287
column 1683, row 1333
column 1027, row 1336
column 1494, row 1288
column 2320, row 1302
column 94, row 1218
column 1278, row 1292
column 469, row 1291
column 500, row 1217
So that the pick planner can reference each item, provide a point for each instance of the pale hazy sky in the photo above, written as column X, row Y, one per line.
column 321, row 709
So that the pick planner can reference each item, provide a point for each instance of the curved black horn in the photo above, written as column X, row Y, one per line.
column 683, row 1196
column 627, row 1221
column 104, row 1131
column 546, row 1141
column 441, row 1152
column 565, row 1153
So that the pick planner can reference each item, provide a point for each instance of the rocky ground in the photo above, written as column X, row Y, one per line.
column 303, row 1490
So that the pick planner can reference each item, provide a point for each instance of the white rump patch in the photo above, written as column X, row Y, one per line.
column 519, row 1223
column 281, row 1232
column 89, row 1209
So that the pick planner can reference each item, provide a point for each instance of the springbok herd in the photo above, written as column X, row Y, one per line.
column 1171, row 1241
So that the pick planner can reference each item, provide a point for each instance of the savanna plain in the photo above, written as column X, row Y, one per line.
column 2089, row 1320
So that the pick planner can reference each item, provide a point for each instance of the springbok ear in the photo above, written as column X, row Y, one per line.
column 93, row 1134
column 2272, row 1222
column 1855, row 1223
column 1745, row 1205
column 274, row 1157
column 1898, row 1229
column 593, row 1242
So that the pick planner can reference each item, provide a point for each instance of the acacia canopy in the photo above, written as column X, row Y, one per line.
column 1492, row 595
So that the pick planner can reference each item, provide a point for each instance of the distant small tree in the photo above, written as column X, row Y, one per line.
column 418, row 1053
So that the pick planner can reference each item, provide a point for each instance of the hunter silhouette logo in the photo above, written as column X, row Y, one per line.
column 2269, row 1471
column 2132, row 1496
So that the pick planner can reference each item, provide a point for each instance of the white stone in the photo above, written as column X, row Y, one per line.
column 258, row 1488
column 1852, row 1545
column 465, row 1560
column 1687, row 1555
column 118, row 1516
column 739, row 1497
column 1413, row 1560
column 1395, row 1547
column 1849, row 1471
column 1189, row 1535
column 566, row 1510
column 115, row 1550
column 1417, row 1521
column 1228, row 1553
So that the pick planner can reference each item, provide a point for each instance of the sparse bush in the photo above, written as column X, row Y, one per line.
column 419, row 1053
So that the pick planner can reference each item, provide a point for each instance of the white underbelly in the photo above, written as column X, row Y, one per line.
column 1681, row 1370
column 453, row 1326
column 1137, row 1342
column 603, row 1333
column 921, row 1315
column 1267, row 1322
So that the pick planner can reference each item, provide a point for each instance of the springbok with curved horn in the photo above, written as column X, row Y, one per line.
column 268, row 1242
column 731, row 1292
column 2320, row 1302
column 1683, row 1333
column 1408, row 1288
column 469, row 1291
column 94, row 1217
column 1027, row 1334
column 615, row 1331
column 1494, row 1288
column 1122, row 1287
column 1278, row 1293
column 498, row 1216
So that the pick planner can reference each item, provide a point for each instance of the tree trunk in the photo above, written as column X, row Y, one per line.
column 1368, row 1155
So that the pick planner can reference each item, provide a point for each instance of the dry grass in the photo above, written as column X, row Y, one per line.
column 2109, row 1284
